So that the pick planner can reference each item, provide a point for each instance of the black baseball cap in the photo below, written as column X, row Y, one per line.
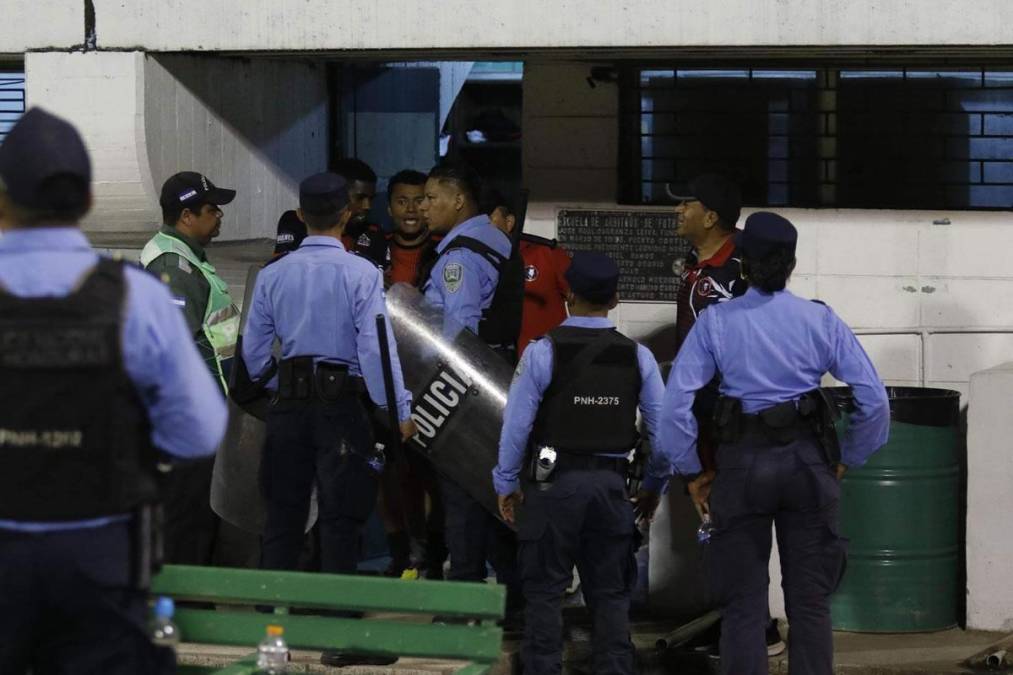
column 593, row 276
column 190, row 188
column 323, row 194
column 40, row 147
column 715, row 192
column 764, row 233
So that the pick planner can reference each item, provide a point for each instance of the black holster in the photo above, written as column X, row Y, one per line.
column 727, row 419
column 820, row 410
column 299, row 379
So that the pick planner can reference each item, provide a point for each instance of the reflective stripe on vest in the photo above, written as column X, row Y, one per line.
column 221, row 318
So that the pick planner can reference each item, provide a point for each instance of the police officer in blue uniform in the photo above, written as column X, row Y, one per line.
column 570, row 424
column 321, row 303
column 464, row 282
column 775, row 461
column 97, row 370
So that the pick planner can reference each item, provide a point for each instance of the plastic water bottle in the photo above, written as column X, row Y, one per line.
column 164, row 632
column 703, row 533
column 378, row 458
column 272, row 652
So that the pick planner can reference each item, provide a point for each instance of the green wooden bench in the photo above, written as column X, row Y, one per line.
column 238, row 624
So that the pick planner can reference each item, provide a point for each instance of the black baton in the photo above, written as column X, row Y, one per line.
column 388, row 385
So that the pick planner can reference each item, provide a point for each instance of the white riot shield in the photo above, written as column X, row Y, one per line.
column 459, row 391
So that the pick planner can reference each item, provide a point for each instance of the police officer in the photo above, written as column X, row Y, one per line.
column 463, row 282
column 573, row 403
column 321, row 303
column 97, row 369
column 771, row 349
column 191, row 218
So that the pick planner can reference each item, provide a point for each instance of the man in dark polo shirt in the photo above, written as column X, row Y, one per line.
column 706, row 213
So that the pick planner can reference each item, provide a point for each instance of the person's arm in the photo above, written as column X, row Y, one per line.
column 367, row 301
column 184, row 404
column 652, row 393
column 869, row 425
column 258, row 334
column 531, row 379
column 693, row 368
column 459, row 277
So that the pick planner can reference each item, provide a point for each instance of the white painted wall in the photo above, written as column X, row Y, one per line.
column 103, row 95
column 990, row 500
column 406, row 24
column 39, row 24
column 258, row 126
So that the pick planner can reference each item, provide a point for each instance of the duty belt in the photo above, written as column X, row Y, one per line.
column 299, row 379
column 582, row 461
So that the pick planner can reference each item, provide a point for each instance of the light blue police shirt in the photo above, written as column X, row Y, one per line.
column 463, row 282
column 322, row 301
column 184, row 404
column 532, row 378
column 770, row 348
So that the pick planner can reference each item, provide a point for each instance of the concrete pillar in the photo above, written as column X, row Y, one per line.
column 255, row 125
column 990, row 500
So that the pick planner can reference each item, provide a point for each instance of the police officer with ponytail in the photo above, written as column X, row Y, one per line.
column 97, row 371
column 569, row 425
column 775, row 463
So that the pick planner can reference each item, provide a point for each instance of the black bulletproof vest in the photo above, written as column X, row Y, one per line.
column 501, row 320
column 74, row 436
column 591, row 403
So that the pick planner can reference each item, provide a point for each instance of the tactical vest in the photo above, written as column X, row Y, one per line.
column 74, row 436
column 591, row 403
column 221, row 318
column 501, row 320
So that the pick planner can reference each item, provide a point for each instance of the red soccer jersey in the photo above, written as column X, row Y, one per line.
column 545, row 290
column 404, row 261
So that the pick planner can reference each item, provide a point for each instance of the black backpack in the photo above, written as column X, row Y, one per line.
column 501, row 321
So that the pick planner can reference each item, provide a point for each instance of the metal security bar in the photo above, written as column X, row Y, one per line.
column 12, row 100
column 851, row 137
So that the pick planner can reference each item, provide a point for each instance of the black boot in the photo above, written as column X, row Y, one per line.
column 400, row 552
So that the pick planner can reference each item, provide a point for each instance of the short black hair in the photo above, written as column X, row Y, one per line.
column 67, row 199
column 405, row 177
column 352, row 169
column 493, row 199
column 463, row 176
column 770, row 272
column 316, row 222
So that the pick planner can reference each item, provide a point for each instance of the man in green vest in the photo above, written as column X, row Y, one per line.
column 191, row 218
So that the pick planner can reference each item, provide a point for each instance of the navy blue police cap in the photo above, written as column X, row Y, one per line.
column 764, row 233
column 40, row 147
column 593, row 276
column 323, row 194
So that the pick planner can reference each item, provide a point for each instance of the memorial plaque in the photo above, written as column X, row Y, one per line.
column 644, row 244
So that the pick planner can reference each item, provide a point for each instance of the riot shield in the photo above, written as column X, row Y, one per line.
column 459, row 391
column 235, row 481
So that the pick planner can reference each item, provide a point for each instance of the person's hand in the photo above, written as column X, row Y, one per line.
column 645, row 504
column 508, row 505
column 700, row 491
column 408, row 429
column 840, row 469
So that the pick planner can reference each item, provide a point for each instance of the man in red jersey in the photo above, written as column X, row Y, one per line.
column 545, row 264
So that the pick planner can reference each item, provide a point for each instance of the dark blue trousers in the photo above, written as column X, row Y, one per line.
column 67, row 606
column 583, row 518
column 760, row 484
column 323, row 444
column 475, row 536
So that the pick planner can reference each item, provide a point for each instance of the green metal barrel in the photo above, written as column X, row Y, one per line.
column 901, row 512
